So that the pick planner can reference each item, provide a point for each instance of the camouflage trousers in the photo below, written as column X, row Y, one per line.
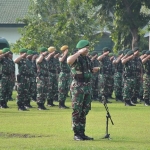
column 5, row 88
column 95, row 86
column 118, row 84
column 53, row 88
column 42, row 88
column 128, row 88
column 137, row 83
column 63, row 86
column 81, row 104
column 146, row 87
column 23, row 90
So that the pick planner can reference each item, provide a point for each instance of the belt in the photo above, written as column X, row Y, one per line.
column 82, row 80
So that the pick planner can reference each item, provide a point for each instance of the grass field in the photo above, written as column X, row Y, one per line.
column 51, row 129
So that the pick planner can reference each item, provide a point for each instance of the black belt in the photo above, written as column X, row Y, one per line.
column 82, row 80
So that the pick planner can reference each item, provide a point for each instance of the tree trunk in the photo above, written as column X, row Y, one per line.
column 135, row 37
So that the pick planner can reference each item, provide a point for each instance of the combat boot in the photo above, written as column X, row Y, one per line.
column 128, row 103
column 77, row 137
column 147, row 102
column 85, row 137
column 21, row 107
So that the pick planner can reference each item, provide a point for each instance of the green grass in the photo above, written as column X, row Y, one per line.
column 51, row 129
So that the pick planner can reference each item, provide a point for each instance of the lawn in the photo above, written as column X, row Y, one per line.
column 51, row 129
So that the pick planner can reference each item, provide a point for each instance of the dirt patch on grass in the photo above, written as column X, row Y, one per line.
column 19, row 135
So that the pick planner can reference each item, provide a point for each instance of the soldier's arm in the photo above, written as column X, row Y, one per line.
column 17, row 60
column 49, row 56
column 145, row 59
column 117, row 60
column 124, row 61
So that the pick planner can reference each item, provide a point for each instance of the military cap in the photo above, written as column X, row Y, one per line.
column 82, row 44
column 129, row 53
column 94, row 53
column 1, row 52
column 120, row 52
column 144, row 51
column 126, row 51
column 148, row 52
column 30, row 52
column 105, row 49
column 110, row 54
column 35, row 53
column 42, row 49
column 23, row 50
column 51, row 49
column 5, row 50
column 63, row 48
column 135, row 49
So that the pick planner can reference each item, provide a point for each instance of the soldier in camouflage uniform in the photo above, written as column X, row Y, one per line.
column 118, row 76
column 6, row 77
column 81, row 69
column 52, row 76
column 42, row 78
column 13, row 77
column 128, row 88
column 22, row 79
column 106, row 72
column 34, row 84
column 64, row 75
column 95, row 81
column 32, row 78
column 146, row 79
column 138, row 71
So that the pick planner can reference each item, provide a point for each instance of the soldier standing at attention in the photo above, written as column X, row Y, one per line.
column 106, row 70
column 128, row 85
column 81, row 70
column 118, row 76
column 52, row 76
column 64, row 77
column 6, row 77
column 42, row 78
column 146, row 79
column 22, row 79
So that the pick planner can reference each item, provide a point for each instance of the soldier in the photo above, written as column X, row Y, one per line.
column 106, row 71
column 146, row 78
column 118, row 76
column 22, row 79
column 64, row 75
column 81, row 70
column 52, row 76
column 5, row 78
column 32, row 78
column 13, row 77
column 129, row 76
column 42, row 78
column 95, row 81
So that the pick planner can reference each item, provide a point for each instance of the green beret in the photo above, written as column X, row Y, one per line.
column 120, row 52
column 126, row 51
column 129, row 53
column 35, row 53
column 105, row 49
column 5, row 50
column 144, row 51
column 148, row 52
column 30, row 52
column 110, row 54
column 135, row 49
column 23, row 50
column 43, row 49
column 82, row 44
column 94, row 53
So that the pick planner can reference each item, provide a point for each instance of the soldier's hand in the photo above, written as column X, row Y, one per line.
column 23, row 55
column 95, row 69
column 65, row 52
column 83, row 50
column 45, row 53
column 106, row 53
column 50, row 54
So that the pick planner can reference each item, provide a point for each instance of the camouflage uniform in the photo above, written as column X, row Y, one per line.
column 5, row 81
column 146, row 82
column 118, row 80
column 95, row 80
column 53, row 89
column 42, row 82
column 81, row 92
column 23, row 83
column 63, row 82
column 106, row 72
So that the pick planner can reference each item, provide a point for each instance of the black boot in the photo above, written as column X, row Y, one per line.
column 2, row 104
column 21, row 106
column 85, row 137
column 5, row 104
column 50, row 103
column 27, row 104
column 128, row 103
column 147, row 102
column 77, row 136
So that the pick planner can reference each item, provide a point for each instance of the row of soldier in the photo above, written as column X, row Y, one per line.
column 46, row 77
